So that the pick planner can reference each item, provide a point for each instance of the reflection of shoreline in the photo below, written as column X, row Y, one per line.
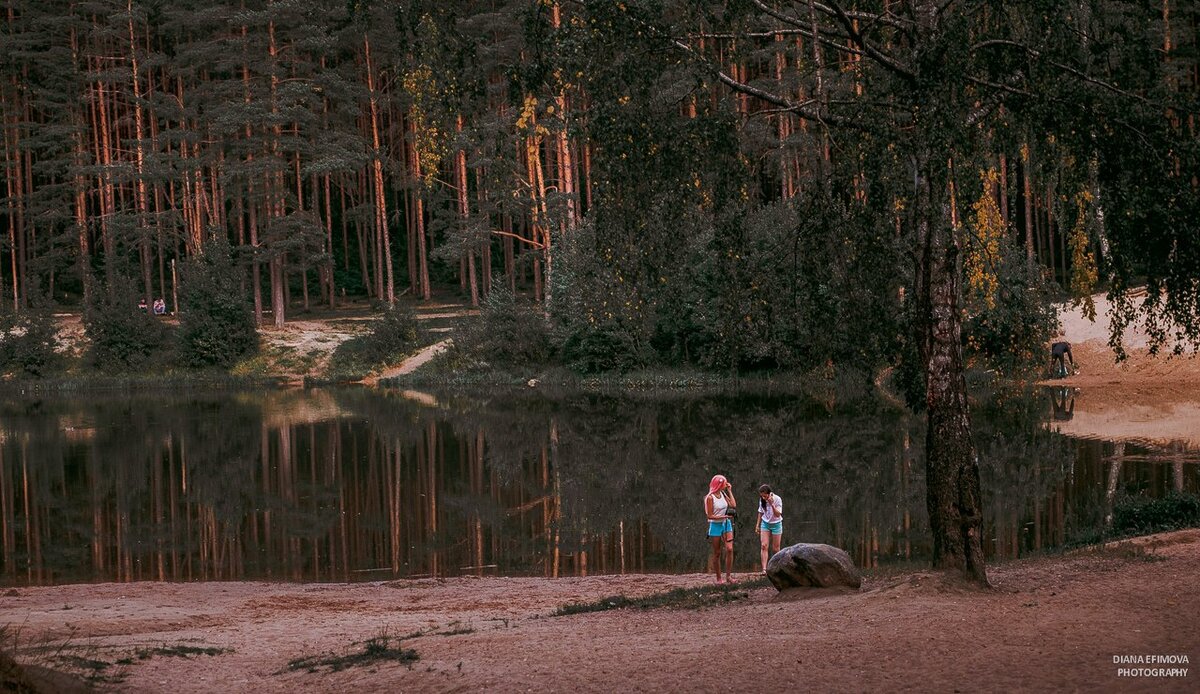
column 419, row 397
column 290, row 407
column 1135, row 417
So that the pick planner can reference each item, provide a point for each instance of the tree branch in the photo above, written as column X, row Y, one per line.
column 1034, row 53
column 874, row 53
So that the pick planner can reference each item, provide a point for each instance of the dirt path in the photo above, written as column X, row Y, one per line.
column 412, row 363
column 1050, row 624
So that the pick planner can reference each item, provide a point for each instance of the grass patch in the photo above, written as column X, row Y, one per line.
column 1142, row 515
column 1134, row 516
column 180, row 651
column 686, row 598
column 165, row 379
column 379, row 649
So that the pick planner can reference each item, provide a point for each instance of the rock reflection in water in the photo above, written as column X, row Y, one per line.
column 351, row 484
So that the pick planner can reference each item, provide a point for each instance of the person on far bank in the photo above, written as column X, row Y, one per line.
column 770, row 522
column 1060, row 351
column 717, row 506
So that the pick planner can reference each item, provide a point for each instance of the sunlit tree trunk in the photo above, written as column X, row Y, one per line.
column 381, row 217
column 464, row 211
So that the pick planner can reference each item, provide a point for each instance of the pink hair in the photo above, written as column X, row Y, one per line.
column 717, row 484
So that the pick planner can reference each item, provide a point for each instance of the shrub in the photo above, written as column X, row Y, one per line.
column 601, row 348
column 123, row 336
column 392, row 337
column 216, row 324
column 1010, row 332
column 27, row 341
column 1137, row 514
column 508, row 332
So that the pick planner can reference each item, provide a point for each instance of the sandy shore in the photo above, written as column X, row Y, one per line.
column 1048, row 623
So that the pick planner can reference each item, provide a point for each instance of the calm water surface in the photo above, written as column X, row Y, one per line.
column 355, row 484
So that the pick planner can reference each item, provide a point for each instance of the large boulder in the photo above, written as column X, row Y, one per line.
column 812, row 566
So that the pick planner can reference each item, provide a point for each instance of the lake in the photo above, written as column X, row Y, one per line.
column 346, row 484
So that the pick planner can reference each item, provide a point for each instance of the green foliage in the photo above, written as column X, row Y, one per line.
column 509, row 332
column 374, row 651
column 216, row 325
column 124, row 337
column 689, row 598
column 1009, row 334
column 27, row 341
column 1139, row 514
column 602, row 348
column 391, row 338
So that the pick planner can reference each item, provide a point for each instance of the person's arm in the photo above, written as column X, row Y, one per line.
column 729, row 495
column 778, row 504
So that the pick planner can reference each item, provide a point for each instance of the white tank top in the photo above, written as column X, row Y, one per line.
column 719, row 505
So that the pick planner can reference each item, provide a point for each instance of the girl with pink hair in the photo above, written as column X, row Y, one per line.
column 718, row 505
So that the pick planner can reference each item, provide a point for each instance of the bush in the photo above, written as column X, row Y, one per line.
column 392, row 337
column 27, row 341
column 216, row 324
column 123, row 336
column 1137, row 514
column 602, row 348
column 508, row 332
column 1010, row 334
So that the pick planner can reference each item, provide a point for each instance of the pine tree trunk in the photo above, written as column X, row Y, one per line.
column 381, row 217
column 419, row 223
column 140, row 200
column 464, row 212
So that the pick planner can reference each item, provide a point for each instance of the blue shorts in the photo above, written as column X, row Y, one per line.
column 719, row 528
column 775, row 528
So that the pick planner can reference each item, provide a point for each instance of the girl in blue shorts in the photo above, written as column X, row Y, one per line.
column 717, row 505
column 770, row 522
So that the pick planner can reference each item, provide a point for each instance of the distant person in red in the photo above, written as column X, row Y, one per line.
column 1060, row 354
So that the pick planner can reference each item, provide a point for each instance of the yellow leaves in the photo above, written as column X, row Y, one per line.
column 623, row 100
column 1084, row 272
column 528, row 115
column 983, row 248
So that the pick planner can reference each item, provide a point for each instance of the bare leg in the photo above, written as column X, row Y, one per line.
column 765, row 537
column 716, row 556
column 728, row 557
column 775, row 542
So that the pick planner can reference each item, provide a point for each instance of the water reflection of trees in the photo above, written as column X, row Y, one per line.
column 352, row 484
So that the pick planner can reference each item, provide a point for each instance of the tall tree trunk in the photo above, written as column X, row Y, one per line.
column 139, row 134
column 381, row 217
column 464, row 210
column 275, row 196
column 953, row 494
column 1027, row 180
column 419, row 220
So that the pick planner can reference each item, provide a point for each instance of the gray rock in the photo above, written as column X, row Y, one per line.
column 812, row 566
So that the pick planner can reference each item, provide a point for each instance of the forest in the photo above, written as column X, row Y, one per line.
column 740, row 185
